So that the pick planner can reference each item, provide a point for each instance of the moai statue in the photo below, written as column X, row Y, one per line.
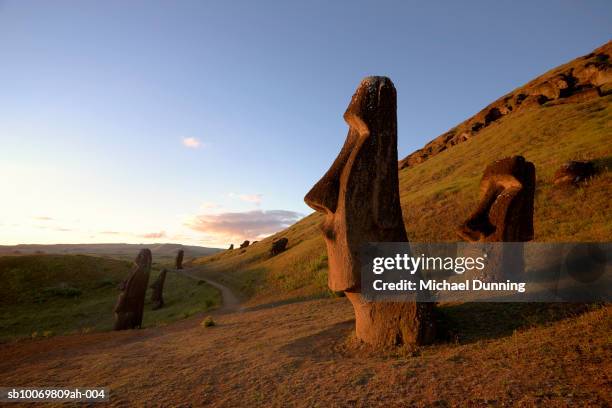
column 157, row 297
column 130, row 304
column 504, row 214
column 231, row 247
column 179, row 259
column 359, row 196
column 245, row 244
column 278, row 246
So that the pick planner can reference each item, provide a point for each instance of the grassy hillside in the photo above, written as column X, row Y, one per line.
column 439, row 193
column 43, row 295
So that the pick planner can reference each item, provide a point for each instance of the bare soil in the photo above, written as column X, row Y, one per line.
column 304, row 354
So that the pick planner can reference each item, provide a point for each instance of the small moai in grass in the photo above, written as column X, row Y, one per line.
column 130, row 303
column 278, row 246
column 504, row 214
column 245, row 244
column 157, row 297
column 179, row 259
column 359, row 196
column 231, row 247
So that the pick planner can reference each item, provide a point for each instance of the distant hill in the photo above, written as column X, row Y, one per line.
column 161, row 252
column 440, row 192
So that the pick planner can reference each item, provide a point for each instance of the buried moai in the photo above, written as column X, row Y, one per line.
column 245, row 244
column 504, row 214
column 231, row 247
column 179, row 259
column 359, row 196
column 278, row 246
column 157, row 297
column 130, row 304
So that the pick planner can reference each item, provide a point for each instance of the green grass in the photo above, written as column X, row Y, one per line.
column 43, row 295
column 439, row 193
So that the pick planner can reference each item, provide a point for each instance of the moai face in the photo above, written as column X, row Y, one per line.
column 359, row 194
column 505, row 208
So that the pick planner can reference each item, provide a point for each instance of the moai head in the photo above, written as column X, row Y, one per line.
column 359, row 194
column 505, row 209
column 179, row 259
column 143, row 259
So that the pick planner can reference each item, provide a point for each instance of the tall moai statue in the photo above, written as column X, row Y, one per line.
column 504, row 214
column 359, row 196
column 179, row 259
column 157, row 297
column 130, row 304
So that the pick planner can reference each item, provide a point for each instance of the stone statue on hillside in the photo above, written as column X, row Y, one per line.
column 245, row 244
column 504, row 214
column 278, row 246
column 231, row 247
column 130, row 304
column 574, row 172
column 179, row 259
column 359, row 196
column 157, row 297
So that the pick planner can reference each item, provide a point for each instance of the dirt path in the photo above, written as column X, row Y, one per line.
column 230, row 302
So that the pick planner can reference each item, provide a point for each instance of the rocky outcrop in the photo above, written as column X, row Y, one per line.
column 584, row 78
column 130, row 304
column 574, row 172
column 359, row 196
column 278, row 246
column 157, row 297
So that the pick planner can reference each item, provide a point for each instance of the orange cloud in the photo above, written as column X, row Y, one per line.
column 160, row 234
column 243, row 225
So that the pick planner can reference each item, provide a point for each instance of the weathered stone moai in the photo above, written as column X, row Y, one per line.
column 231, row 247
column 245, row 244
column 504, row 214
column 278, row 246
column 359, row 196
column 130, row 304
column 157, row 297
column 179, row 259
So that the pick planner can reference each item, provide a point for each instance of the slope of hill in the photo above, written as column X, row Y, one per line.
column 161, row 252
column 584, row 78
column 440, row 192
column 44, row 295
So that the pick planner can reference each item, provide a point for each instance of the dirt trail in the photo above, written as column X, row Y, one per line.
column 230, row 302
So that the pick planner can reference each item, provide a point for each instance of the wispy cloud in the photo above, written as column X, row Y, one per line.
column 243, row 225
column 248, row 198
column 160, row 234
column 191, row 142
column 43, row 218
column 110, row 232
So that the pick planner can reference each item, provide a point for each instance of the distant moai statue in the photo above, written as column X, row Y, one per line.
column 245, row 244
column 157, row 297
column 278, row 246
column 231, row 247
column 130, row 304
column 359, row 196
column 504, row 214
column 179, row 259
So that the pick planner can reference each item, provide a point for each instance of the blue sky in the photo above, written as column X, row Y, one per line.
column 206, row 122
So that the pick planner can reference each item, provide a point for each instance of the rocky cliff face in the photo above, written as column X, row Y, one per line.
column 584, row 78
